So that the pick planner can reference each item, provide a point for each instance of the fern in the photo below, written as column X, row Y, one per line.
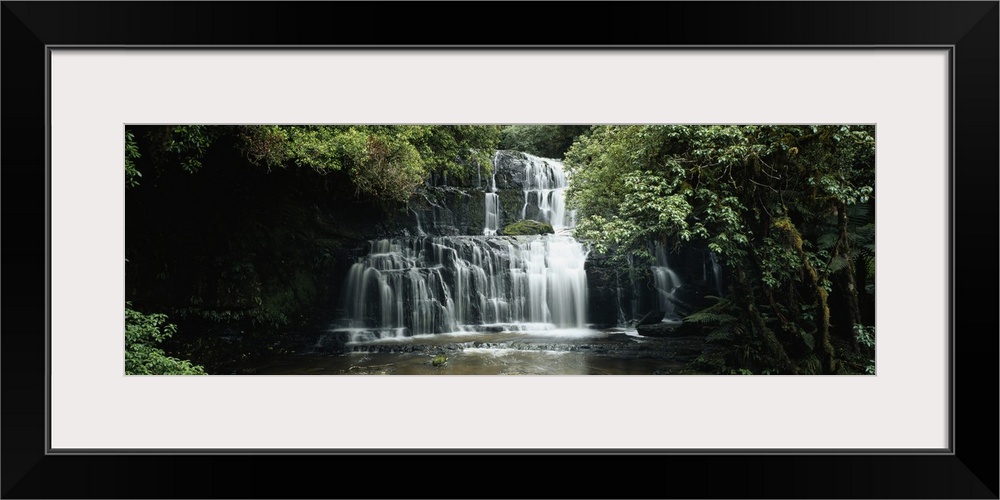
column 708, row 317
column 719, row 336
column 826, row 241
column 837, row 264
column 868, row 260
column 863, row 238
column 859, row 215
column 720, row 320
column 722, row 312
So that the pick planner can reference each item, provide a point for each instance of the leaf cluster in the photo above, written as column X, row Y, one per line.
column 385, row 163
column 547, row 141
column 143, row 355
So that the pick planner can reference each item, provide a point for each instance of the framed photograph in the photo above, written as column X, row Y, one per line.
column 890, row 108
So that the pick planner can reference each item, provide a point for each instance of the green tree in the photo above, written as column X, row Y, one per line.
column 143, row 335
column 548, row 141
column 132, row 174
column 773, row 202
column 384, row 162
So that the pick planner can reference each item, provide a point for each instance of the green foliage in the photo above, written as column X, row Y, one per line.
column 143, row 334
column 132, row 174
column 547, row 141
column 869, row 266
column 190, row 143
column 862, row 241
column 720, row 321
column 711, row 183
column 650, row 211
column 710, row 363
column 382, row 166
column 528, row 226
column 263, row 144
column 384, row 162
column 707, row 316
column 779, row 262
column 764, row 199
column 456, row 150
column 865, row 335
column 323, row 148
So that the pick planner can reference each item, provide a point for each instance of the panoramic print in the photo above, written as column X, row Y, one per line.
column 499, row 249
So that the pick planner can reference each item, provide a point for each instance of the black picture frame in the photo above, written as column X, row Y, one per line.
column 969, row 28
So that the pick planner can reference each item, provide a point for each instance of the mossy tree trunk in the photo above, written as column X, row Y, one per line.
column 844, row 252
column 822, row 345
column 771, row 342
column 821, row 340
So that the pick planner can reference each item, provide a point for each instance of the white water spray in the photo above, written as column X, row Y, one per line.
column 665, row 281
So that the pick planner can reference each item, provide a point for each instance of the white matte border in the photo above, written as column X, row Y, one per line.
column 904, row 92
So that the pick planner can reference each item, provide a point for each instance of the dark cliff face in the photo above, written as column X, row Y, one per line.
column 452, row 207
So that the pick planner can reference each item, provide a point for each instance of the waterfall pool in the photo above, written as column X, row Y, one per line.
column 547, row 352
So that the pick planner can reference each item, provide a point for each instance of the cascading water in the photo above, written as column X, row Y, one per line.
column 634, row 303
column 716, row 273
column 545, row 186
column 711, row 261
column 665, row 281
column 443, row 284
column 492, row 212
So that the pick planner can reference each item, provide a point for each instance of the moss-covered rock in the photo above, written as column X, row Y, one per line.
column 439, row 360
column 511, row 201
column 528, row 227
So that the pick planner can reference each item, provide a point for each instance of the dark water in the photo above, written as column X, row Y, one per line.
column 557, row 352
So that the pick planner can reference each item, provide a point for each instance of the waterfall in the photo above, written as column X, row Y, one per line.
column 665, row 281
column 416, row 217
column 716, row 273
column 416, row 286
column 492, row 212
column 445, row 284
column 712, row 261
column 634, row 303
column 544, row 184
column 621, row 318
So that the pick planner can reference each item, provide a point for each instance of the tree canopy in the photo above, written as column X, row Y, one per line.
column 383, row 162
column 787, row 208
column 547, row 141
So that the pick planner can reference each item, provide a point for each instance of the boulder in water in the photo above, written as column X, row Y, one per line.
column 651, row 318
column 657, row 329
column 528, row 226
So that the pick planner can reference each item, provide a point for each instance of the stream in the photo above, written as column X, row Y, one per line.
column 554, row 352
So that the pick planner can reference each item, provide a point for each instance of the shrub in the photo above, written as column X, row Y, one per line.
column 528, row 227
